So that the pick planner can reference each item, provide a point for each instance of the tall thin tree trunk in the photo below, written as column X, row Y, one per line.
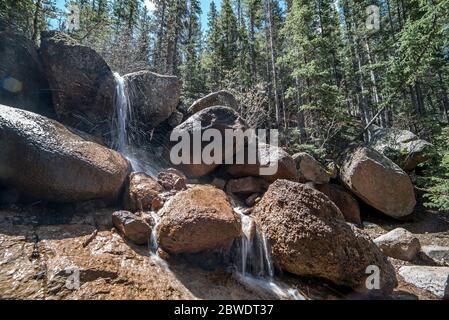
column 37, row 10
column 273, row 61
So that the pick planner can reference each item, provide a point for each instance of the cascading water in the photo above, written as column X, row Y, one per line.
column 141, row 159
column 254, row 264
column 123, row 110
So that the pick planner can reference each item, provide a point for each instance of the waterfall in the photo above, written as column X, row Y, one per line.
column 143, row 159
column 255, row 267
column 123, row 110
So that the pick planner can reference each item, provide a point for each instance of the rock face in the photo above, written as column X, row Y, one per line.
column 219, row 98
column 24, row 83
column 308, row 237
column 141, row 192
column 219, row 118
column 197, row 219
column 432, row 279
column 154, row 97
column 132, row 226
column 267, row 154
column 379, row 182
column 246, row 185
column 309, row 169
column 42, row 158
column 344, row 201
column 403, row 147
column 399, row 244
column 82, row 84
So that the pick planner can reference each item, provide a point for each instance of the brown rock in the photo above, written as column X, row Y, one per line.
column 344, row 201
column 132, row 226
column 142, row 192
column 172, row 179
column 220, row 98
column 308, row 237
column 246, row 185
column 42, row 158
column 379, row 182
column 309, row 169
column 82, row 84
column 197, row 219
column 399, row 244
column 271, row 155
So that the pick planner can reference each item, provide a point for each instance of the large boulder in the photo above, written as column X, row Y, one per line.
column 41, row 157
column 196, row 220
column 399, row 244
column 142, row 193
column 309, row 237
column 309, row 169
column 23, row 83
column 348, row 206
column 379, row 182
column 403, row 147
column 153, row 97
column 219, row 98
column 272, row 156
column 219, row 118
column 82, row 84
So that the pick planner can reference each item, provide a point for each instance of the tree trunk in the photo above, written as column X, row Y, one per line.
column 37, row 10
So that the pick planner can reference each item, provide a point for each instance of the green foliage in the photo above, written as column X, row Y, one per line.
column 435, row 178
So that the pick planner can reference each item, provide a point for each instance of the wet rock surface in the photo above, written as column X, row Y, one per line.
column 132, row 226
column 142, row 192
column 45, row 160
column 75, row 255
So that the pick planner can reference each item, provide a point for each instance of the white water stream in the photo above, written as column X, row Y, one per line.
column 254, row 265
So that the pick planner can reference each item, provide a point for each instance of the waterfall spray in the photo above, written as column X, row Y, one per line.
column 255, row 267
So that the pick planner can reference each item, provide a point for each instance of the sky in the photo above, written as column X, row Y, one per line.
column 205, row 5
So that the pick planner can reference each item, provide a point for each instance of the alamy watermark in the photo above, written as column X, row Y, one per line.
column 372, row 282
column 236, row 146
